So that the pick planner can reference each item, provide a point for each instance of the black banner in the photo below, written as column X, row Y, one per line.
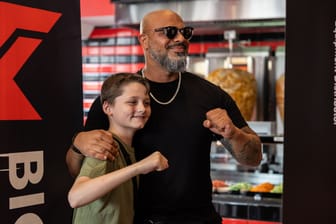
column 310, row 113
column 40, row 107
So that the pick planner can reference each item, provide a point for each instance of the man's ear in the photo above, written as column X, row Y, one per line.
column 143, row 40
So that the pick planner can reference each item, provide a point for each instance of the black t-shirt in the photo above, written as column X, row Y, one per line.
column 176, row 130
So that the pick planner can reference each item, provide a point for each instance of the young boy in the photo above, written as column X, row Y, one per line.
column 104, row 191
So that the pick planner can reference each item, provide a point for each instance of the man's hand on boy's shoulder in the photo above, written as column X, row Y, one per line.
column 97, row 144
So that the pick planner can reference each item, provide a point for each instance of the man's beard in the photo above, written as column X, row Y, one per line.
column 172, row 65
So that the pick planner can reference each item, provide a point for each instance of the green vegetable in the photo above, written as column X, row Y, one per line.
column 277, row 189
column 241, row 186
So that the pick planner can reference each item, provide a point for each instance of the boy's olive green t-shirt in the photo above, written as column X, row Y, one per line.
column 116, row 207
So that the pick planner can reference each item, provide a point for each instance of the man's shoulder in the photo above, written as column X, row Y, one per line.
column 193, row 75
column 197, row 79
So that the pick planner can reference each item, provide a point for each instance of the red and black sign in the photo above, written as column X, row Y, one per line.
column 40, row 107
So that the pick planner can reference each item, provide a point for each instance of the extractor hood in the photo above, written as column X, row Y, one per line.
column 203, row 12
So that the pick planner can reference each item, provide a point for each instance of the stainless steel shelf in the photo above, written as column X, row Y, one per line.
column 246, row 200
column 272, row 139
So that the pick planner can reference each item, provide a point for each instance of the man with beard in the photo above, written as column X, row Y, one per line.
column 188, row 113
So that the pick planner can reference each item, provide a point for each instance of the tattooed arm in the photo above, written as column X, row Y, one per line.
column 244, row 144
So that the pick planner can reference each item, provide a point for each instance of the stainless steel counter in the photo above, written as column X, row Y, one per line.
column 256, row 207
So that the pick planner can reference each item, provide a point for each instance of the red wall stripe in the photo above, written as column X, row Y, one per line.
column 112, row 68
column 115, row 32
column 112, row 50
column 194, row 48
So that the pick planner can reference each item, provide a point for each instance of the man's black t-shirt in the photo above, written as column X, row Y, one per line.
column 176, row 130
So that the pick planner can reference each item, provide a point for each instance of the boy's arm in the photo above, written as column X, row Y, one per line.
column 86, row 189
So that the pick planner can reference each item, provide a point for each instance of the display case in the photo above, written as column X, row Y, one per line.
column 244, row 205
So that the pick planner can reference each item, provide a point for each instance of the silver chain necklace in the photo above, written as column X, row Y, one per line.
column 174, row 96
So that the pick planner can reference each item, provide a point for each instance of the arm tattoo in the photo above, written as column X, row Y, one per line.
column 247, row 154
column 250, row 150
column 228, row 146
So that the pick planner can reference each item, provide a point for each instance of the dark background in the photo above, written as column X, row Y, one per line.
column 310, row 136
